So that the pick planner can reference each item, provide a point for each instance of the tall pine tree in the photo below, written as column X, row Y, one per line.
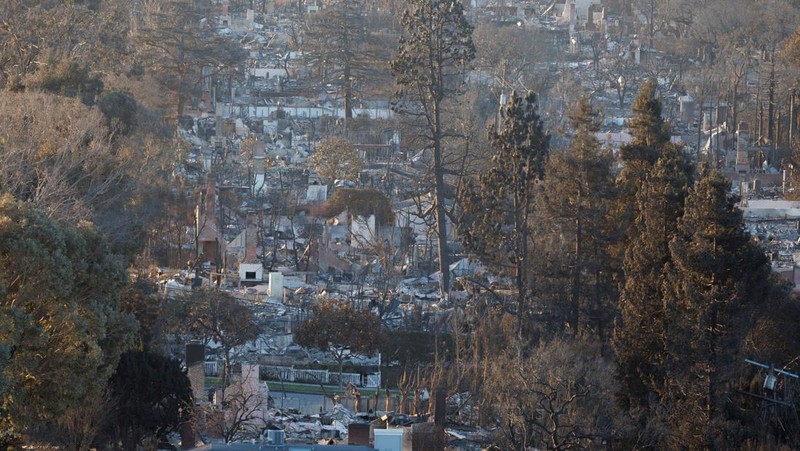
column 336, row 44
column 429, row 69
column 649, row 138
column 496, row 220
column 648, row 129
column 713, row 287
column 576, row 231
column 640, row 333
column 652, row 184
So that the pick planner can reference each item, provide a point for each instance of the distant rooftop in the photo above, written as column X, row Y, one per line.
column 771, row 209
column 286, row 447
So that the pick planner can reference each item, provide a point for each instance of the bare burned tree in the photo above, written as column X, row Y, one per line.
column 429, row 70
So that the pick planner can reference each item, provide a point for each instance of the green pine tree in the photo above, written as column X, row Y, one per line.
column 650, row 137
column 713, row 287
column 574, row 206
column 640, row 332
column 497, row 215
column 648, row 129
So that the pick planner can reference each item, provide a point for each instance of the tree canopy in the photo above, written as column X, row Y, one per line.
column 46, row 43
column 339, row 327
column 429, row 70
column 336, row 158
column 62, row 331
column 217, row 316
column 152, row 397
column 497, row 218
column 561, row 399
column 638, row 337
column 176, row 42
column 337, row 44
column 714, row 287
column 575, row 230
column 360, row 202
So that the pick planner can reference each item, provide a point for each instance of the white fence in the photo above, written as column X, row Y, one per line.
column 211, row 369
column 291, row 374
column 373, row 380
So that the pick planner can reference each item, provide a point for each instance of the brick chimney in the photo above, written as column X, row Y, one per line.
column 195, row 366
column 439, row 407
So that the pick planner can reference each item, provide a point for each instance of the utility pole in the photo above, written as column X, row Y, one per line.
column 792, row 97
column 774, row 393
column 652, row 23
column 196, row 282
